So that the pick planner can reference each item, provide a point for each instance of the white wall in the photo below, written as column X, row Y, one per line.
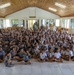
column 25, row 13
column 32, row 11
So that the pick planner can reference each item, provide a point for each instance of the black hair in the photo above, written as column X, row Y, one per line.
column 49, row 48
column 7, row 53
column 55, row 50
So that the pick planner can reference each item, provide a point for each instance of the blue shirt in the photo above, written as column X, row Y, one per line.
column 2, row 53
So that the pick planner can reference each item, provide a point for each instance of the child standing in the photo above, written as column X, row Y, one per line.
column 8, row 62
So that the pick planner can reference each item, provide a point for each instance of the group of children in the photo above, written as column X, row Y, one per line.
column 57, row 55
column 41, row 44
column 20, row 56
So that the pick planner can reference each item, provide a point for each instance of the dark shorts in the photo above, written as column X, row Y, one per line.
column 41, row 59
column 20, row 56
column 26, row 60
column 1, row 57
column 72, row 57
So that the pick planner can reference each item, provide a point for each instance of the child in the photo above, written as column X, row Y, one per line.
column 8, row 62
column 63, row 52
column 27, row 57
column 20, row 54
column 43, row 56
column 67, row 54
column 14, row 53
column 37, row 52
column 71, row 55
column 57, row 55
column 2, row 54
column 50, row 55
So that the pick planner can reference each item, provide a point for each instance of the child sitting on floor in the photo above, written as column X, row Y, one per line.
column 20, row 55
column 57, row 55
column 63, row 52
column 67, row 54
column 43, row 56
column 27, row 57
column 2, row 54
column 50, row 55
column 37, row 52
column 14, row 53
column 71, row 54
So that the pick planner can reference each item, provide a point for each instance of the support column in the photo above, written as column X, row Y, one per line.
column 39, row 22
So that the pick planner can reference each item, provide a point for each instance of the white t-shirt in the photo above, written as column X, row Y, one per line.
column 71, row 53
column 46, row 51
column 54, row 28
column 47, row 46
column 69, row 37
column 43, row 41
column 43, row 55
column 57, row 55
column 37, row 50
column 37, row 47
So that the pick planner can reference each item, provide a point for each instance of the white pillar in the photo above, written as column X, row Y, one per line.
column 25, row 24
column 39, row 22
column 4, row 23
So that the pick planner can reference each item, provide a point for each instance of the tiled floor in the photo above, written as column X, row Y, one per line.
column 37, row 68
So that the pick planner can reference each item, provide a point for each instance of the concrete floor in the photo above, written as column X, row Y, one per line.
column 38, row 68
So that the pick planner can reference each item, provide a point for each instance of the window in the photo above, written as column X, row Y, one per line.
column 43, row 22
column 65, row 23
column 57, row 22
column 7, row 23
column 21, row 23
column 72, row 23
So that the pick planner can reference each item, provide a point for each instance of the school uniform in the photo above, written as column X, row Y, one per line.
column 2, row 53
column 67, row 55
column 26, row 58
column 71, row 54
column 21, row 55
column 47, row 46
column 43, row 56
column 13, row 54
column 6, row 61
column 50, row 55
column 36, row 51
column 57, row 55
column 62, row 52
